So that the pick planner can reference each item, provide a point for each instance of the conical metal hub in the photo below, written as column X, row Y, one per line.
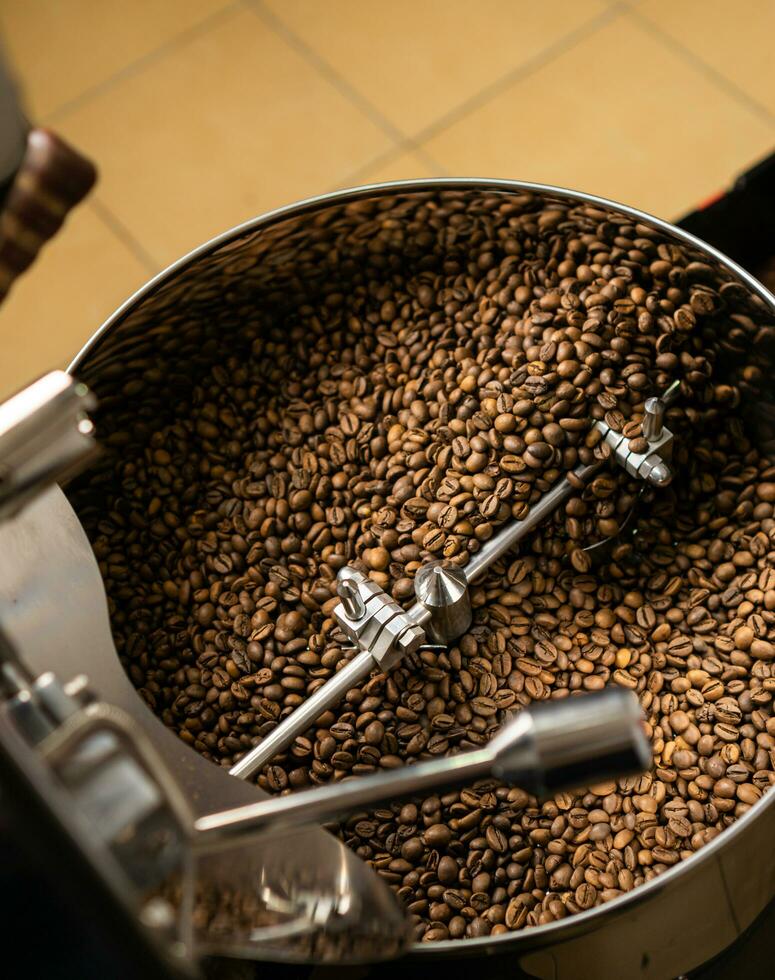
column 442, row 588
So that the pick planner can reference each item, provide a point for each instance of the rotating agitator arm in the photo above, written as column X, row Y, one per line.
column 569, row 742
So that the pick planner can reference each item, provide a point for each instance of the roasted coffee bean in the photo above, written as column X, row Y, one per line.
column 413, row 376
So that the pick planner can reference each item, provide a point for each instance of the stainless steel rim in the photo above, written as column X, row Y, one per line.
column 578, row 923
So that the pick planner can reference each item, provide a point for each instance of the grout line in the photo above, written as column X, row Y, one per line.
column 119, row 229
column 698, row 63
column 141, row 63
column 355, row 176
column 272, row 21
column 413, row 144
column 543, row 57
column 429, row 160
column 400, row 139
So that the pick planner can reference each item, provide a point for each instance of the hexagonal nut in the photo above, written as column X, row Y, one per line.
column 412, row 637
column 389, row 655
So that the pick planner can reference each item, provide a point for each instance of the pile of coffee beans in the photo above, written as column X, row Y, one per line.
column 411, row 373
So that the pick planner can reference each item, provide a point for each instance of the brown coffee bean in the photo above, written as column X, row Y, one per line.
column 438, row 835
column 762, row 650
column 447, row 870
column 585, row 896
column 374, row 733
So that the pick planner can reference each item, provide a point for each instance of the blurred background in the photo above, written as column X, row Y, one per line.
column 203, row 113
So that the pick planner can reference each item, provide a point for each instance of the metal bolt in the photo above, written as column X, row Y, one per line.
column 653, row 417
column 348, row 592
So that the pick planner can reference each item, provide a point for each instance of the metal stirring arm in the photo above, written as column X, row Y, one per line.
column 383, row 633
column 579, row 740
column 436, row 618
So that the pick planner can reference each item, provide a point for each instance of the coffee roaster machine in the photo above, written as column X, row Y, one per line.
column 129, row 835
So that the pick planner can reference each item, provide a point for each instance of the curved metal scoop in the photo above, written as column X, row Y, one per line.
column 296, row 895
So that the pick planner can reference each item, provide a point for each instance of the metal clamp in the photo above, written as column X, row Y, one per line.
column 373, row 621
column 652, row 465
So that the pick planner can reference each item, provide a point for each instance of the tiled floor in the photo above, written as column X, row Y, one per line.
column 202, row 113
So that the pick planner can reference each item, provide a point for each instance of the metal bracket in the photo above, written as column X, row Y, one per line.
column 373, row 621
column 652, row 465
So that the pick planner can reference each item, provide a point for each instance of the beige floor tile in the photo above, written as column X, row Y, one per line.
column 619, row 115
column 62, row 48
column 221, row 129
column 735, row 38
column 402, row 166
column 415, row 61
column 80, row 277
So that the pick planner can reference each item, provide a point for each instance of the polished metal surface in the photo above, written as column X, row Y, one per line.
column 122, row 790
column 441, row 587
column 45, row 435
column 576, row 741
column 386, row 633
column 547, row 747
column 672, row 922
column 383, row 633
column 324, row 802
column 379, row 625
column 103, row 863
column 651, row 465
column 365, row 631
column 54, row 613
column 348, row 592
column 653, row 419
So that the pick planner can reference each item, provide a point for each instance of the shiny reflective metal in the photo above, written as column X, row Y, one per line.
column 515, row 531
column 110, row 854
column 442, row 588
column 420, row 613
column 329, row 694
column 383, row 634
column 380, row 626
column 578, row 741
column 119, row 787
column 306, row 896
column 348, row 591
column 653, row 419
column 121, row 793
column 660, row 929
column 45, row 435
column 652, row 465
column 37, row 705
